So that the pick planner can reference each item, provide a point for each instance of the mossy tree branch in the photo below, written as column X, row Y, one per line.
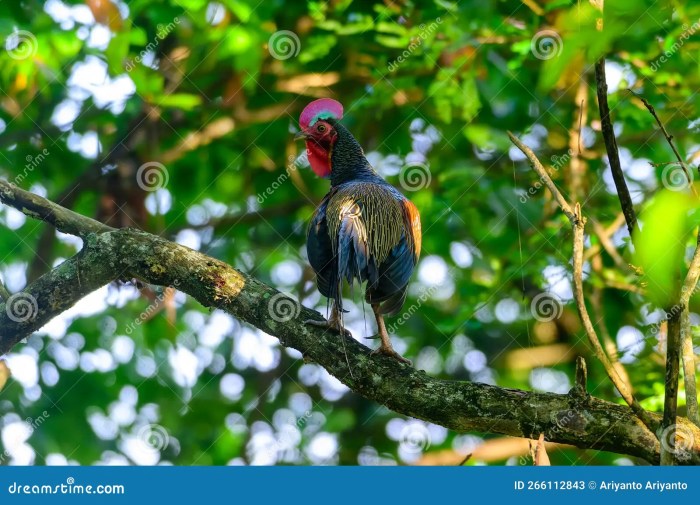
column 109, row 254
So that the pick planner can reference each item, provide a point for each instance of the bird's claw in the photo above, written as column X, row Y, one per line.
column 386, row 351
column 330, row 325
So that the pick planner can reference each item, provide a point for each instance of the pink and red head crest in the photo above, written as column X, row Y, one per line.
column 323, row 108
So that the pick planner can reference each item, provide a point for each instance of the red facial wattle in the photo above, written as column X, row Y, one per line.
column 319, row 158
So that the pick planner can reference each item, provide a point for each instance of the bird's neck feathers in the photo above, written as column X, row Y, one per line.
column 347, row 160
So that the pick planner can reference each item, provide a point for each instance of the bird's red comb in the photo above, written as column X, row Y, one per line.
column 323, row 108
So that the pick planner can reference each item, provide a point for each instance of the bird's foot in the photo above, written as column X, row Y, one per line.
column 331, row 324
column 388, row 351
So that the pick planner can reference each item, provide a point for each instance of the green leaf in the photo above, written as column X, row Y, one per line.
column 661, row 243
column 178, row 101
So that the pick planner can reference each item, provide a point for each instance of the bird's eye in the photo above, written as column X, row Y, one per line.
column 321, row 128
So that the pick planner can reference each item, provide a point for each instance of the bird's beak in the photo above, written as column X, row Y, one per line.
column 301, row 135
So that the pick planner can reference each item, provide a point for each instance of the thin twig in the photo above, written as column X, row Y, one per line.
column 623, row 192
column 577, row 166
column 578, row 222
column 544, row 176
column 39, row 208
column 610, row 348
column 669, row 139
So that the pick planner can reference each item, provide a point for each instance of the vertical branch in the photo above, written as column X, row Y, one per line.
column 577, row 166
column 673, row 345
column 611, row 147
column 610, row 347
column 688, row 353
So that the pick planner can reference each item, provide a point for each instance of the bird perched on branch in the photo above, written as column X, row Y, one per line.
column 364, row 229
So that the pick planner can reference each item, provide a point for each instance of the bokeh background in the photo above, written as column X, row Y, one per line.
column 177, row 116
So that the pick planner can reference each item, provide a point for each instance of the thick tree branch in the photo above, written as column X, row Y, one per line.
column 461, row 406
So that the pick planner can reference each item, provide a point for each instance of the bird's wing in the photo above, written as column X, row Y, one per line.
column 413, row 227
column 394, row 273
column 320, row 250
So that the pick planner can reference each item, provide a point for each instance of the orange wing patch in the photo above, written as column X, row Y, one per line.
column 412, row 217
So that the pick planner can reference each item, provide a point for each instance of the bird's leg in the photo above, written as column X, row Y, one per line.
column 334, row 322
column 386, row 347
